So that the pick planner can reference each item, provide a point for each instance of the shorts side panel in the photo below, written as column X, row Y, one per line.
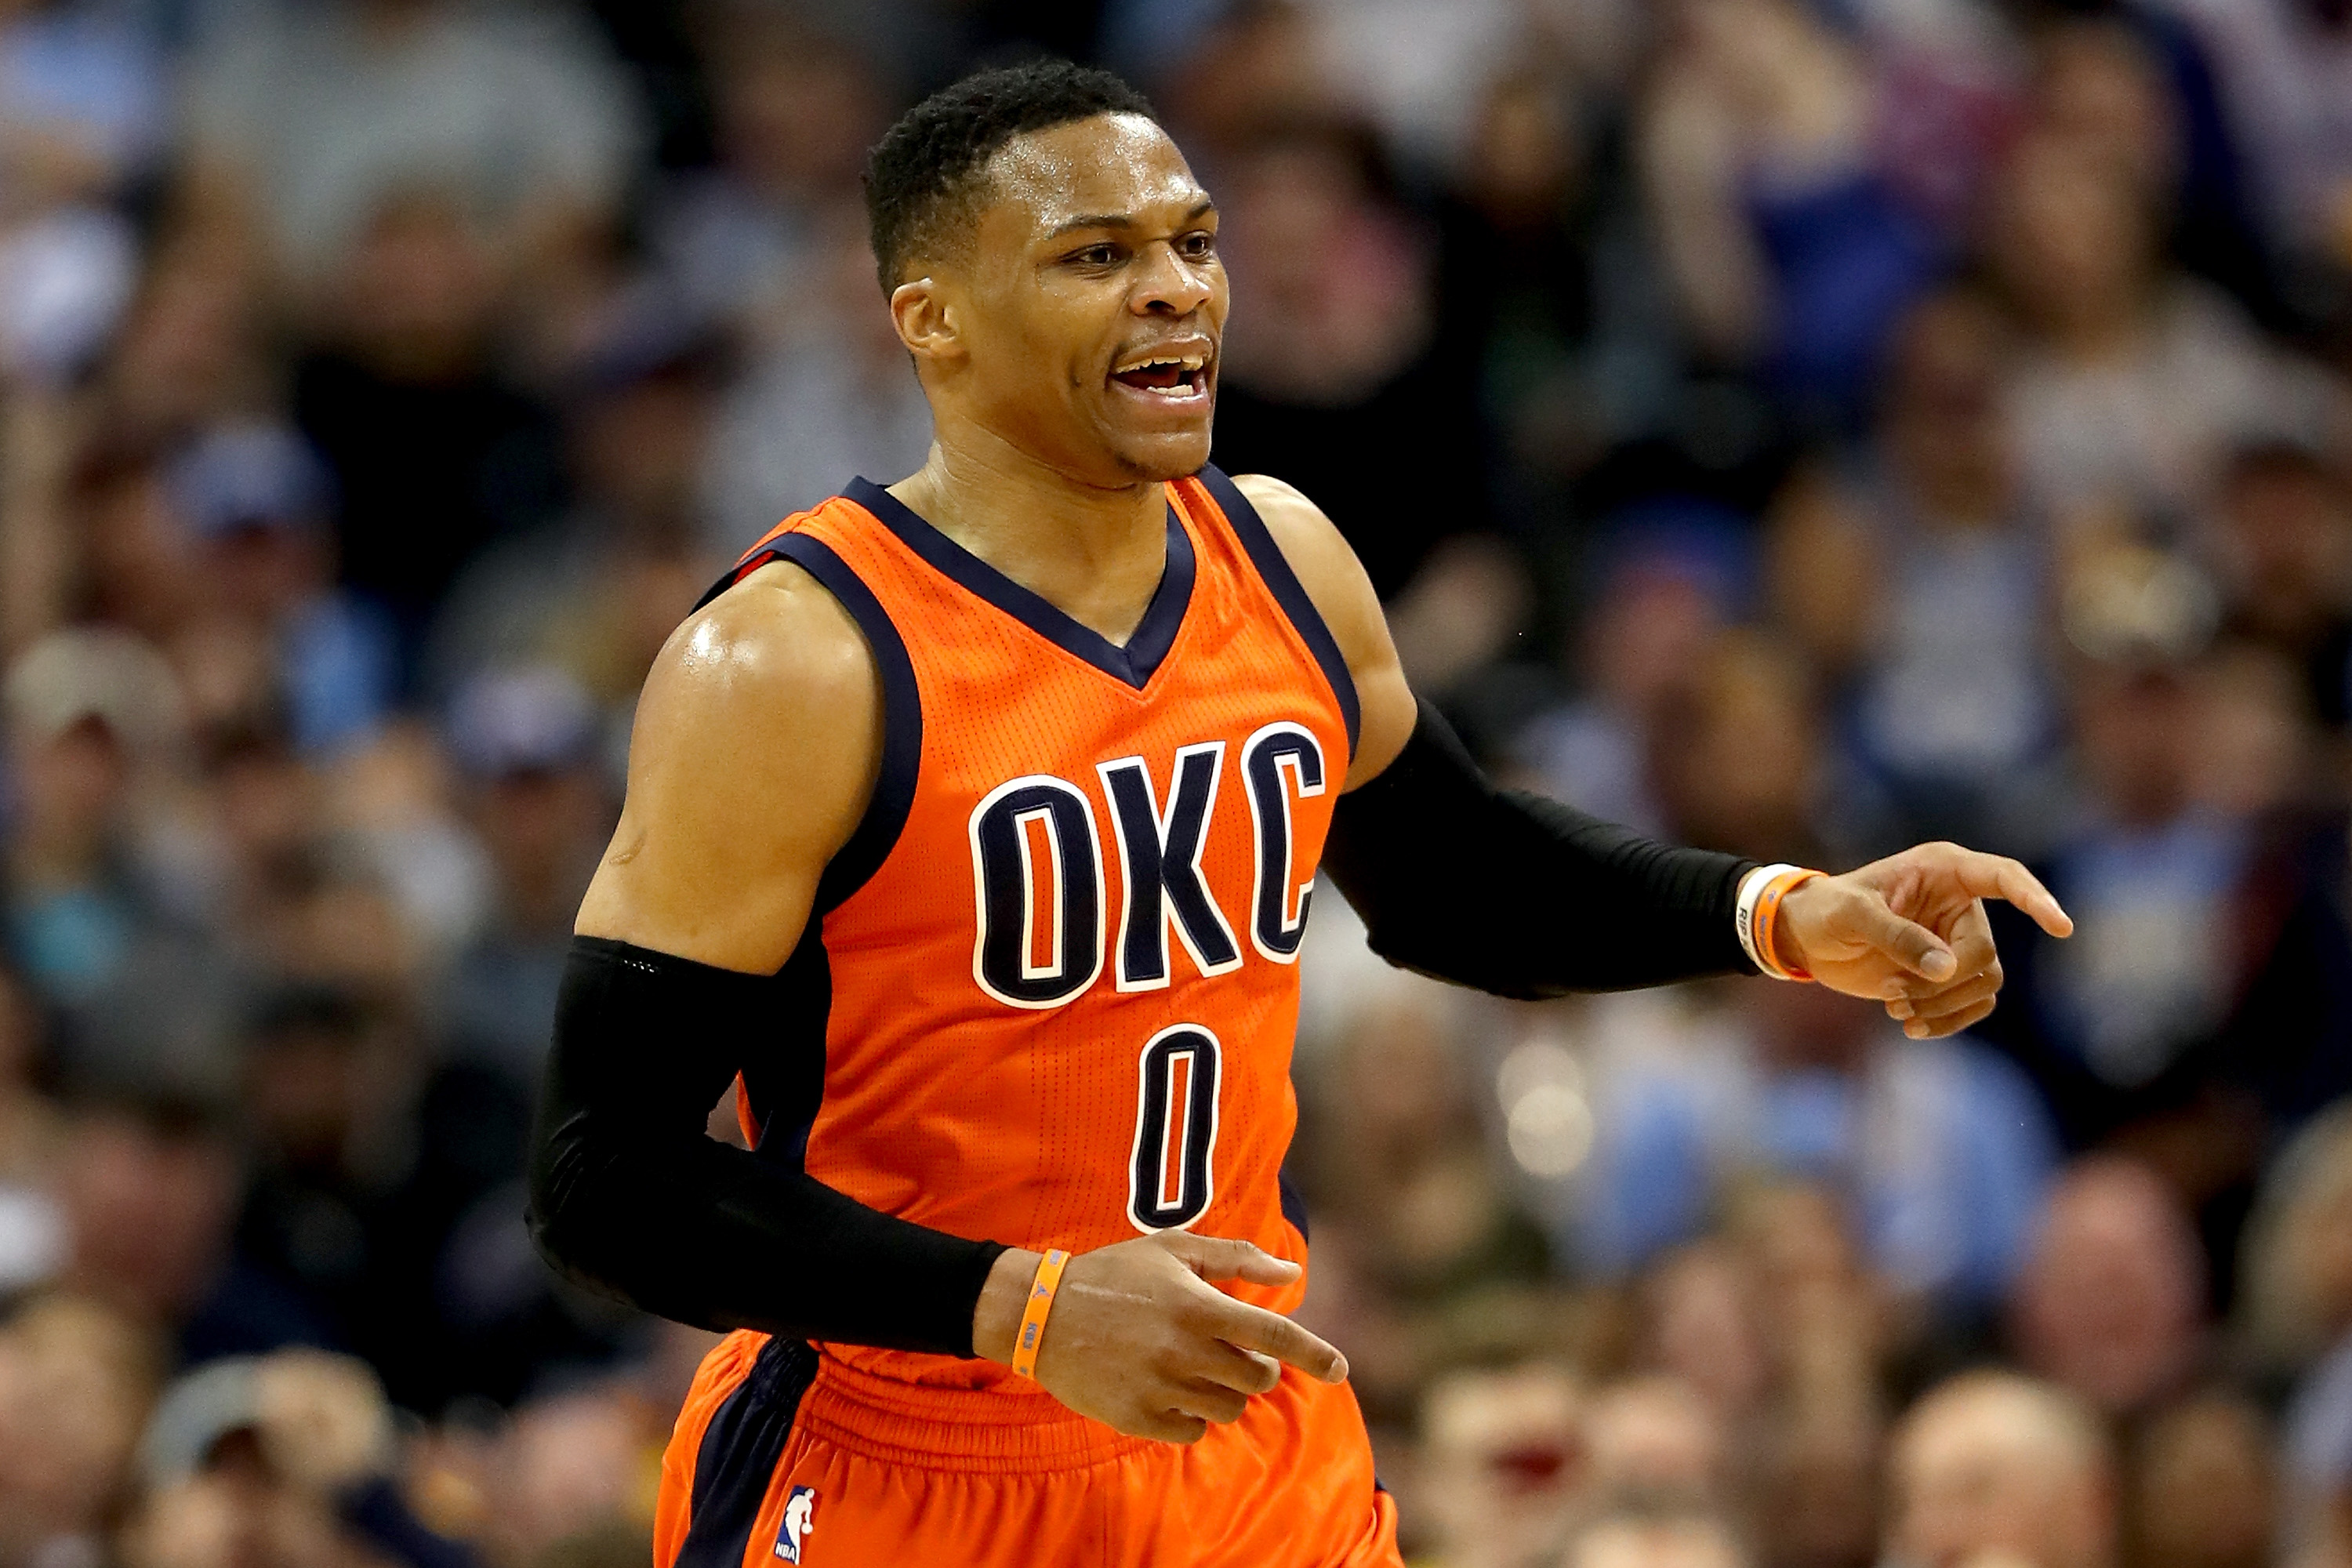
column 723, row 1369
column 715, row 1481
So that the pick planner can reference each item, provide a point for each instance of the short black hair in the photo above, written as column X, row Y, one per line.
column 926, row 167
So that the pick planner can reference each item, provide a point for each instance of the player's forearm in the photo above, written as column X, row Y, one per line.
column 1518, row 895
column 629, row 1196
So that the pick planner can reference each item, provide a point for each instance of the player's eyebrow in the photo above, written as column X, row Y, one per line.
column 1121, row 220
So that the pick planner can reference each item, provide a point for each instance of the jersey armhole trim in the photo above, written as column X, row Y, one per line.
column 876, row 834
column 1274, row 571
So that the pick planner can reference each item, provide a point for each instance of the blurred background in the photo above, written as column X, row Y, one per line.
column 1798, row 426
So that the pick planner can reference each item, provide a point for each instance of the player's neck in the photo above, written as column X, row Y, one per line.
column 1095, row 554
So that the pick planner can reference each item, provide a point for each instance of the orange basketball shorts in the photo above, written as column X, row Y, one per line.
column 782, row 1457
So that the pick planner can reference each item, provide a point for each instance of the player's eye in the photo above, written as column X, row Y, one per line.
column 1097, row 256
column 1200, row 245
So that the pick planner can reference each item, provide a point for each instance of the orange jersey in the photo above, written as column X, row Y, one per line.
column 1060, row 950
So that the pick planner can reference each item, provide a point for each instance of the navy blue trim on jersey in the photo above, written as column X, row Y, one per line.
column 739, row 1451
column 855, row 863
column 783, row 1083
column 1294, row 1203
column 1275, row 571
column 1134, row 663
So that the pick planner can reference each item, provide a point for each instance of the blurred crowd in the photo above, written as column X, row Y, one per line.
column 1795, row 426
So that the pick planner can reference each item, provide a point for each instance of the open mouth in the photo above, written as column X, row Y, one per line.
column 1173, row 375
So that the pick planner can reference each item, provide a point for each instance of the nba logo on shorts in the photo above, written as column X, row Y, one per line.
column 800, row 1517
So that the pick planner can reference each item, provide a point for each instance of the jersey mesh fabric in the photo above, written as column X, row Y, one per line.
column 949, row 1107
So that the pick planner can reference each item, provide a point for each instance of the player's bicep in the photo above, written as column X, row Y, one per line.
column 754, row 751
column 1342, row 594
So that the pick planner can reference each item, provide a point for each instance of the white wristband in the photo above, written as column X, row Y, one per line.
column 1751, row 889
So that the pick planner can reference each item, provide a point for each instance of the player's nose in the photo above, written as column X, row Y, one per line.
column 1169, row 284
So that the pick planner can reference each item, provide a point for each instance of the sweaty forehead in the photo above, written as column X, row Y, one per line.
column 1109, row 164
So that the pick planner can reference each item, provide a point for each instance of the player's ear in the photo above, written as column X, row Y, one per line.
column 926, row 320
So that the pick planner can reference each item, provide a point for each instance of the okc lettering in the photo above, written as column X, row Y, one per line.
column 1039, row 878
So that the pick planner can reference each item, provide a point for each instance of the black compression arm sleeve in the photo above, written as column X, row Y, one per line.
column 1518, row 895
column 629, row 1195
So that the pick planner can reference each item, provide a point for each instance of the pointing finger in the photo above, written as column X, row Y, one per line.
column 1996, row 876
column 1255, row 1329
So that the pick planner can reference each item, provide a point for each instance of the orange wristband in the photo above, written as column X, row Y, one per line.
column 1033, row 1319
column 1768, row 915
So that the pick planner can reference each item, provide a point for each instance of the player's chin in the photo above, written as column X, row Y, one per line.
column 1161, row 455
column 1155, row 434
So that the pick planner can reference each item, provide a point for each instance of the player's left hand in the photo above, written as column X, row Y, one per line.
column 1910, row 931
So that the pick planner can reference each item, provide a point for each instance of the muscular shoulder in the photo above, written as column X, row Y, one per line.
column 755, row 747
column 774, row 657
column 1342, row 594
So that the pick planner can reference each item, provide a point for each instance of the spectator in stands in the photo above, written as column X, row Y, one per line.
column 2297, row 1313
column 83, row 103
column 1812, row 1482
column 1991, row 1467
column 1941, row 1150
column 149, row 1192
column 32, row 1142
column 526, row 740
column 305, row 123
column 1333, row 351
column 2285, row 70
column 528, row 744
column 597, row 590
column 1665, row 581
column 569, row 1465
column 1425, row 1232
column 1699, row 1321
column 287, row 1458
column 2111, row 1304
column 435, row 452
column 2203, row 1490
column 2283, row 549
column 1788, row 249
column 260, row 504
column 1919, row 582
column 2202, row 1016
column 94, row 720
column 332, row 1212
column 1505, row 1468
column 2134, row 86
column 1656, row 1531
column 75, row 1381
column 1736, row 753
column 1541, row 288
column 825, row 399
column 192, row 351
column 1651, row 1436
column 797, row 107
column 2136, row 382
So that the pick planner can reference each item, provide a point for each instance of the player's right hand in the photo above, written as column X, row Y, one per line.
column 1140, row 1341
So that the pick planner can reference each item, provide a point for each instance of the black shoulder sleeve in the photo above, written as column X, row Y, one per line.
column 1518, row 895
column 630, row 1196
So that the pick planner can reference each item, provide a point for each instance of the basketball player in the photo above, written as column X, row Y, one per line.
column 969, row 830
